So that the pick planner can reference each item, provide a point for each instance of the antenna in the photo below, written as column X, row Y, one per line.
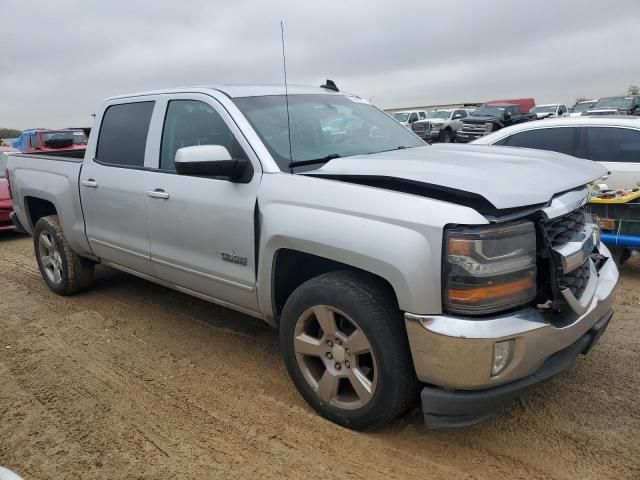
column 286, row 92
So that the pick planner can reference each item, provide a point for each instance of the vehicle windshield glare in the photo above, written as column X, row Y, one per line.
column 583, row 106
column 401, row 116
column 77, row 136
column 614, row 102
column 489, row 111
column 322, row 126
column 544, row 109
column 439, row 114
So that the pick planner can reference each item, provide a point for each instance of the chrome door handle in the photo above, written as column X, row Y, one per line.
column 91, row 183
column 157, row 193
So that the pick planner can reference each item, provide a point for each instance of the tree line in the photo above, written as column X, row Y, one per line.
column 9, row 133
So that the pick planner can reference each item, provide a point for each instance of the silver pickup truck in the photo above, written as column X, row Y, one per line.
column 394, row 270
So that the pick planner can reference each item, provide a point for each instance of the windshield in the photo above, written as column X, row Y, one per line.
column 322, row 125
column 583, row 106
column 544, row 109
column 76, row 137
column 489, row 111
column 401, row 116
column 614, row 102
column 439, row 114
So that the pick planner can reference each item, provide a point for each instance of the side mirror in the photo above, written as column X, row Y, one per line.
column 507, row 115
column 212, row 161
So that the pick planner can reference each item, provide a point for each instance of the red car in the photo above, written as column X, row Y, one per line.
column 6, row 205
column 64, row 143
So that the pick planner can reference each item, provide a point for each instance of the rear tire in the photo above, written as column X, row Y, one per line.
column 63, row 271
column 345, row 347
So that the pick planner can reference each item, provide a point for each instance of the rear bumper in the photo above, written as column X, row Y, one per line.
column 460, row 408
column 5, row 219
column 16, row 225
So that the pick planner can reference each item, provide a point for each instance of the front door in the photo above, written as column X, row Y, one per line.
column 112, row 188
column 203, row 229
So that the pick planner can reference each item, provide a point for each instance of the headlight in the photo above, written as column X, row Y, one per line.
column 488, row 127
column 489, row 269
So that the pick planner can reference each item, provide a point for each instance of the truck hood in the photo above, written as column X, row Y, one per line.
column 487, row 178
column 482, row 119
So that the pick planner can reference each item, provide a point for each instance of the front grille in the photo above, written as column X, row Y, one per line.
column 563, row 229
column 474, row 128
column 420, row 127
column 577, row 280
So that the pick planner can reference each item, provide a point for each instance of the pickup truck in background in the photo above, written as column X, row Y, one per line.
column 462, row 275
column 61, row 143
column 628, row 105
column 489, row 118
column 408, row 117
column 440, row 125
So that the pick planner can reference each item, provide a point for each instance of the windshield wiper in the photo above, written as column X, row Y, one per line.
column 314, row 161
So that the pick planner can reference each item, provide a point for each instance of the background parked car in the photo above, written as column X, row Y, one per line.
column 407, row 118
column 551, row 110
column 614, row 142
column 440, row 125
column 629, row 105
column 6, row 206
column 580, row 107
column 493, row 116
column 67, row 143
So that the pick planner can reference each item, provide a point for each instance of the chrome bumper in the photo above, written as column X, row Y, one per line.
column 457, row 352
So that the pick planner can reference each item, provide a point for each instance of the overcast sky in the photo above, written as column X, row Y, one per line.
column 61, row 58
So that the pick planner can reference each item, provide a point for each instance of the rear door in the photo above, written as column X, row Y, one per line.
column 560, row 139
column 203, row 230
column 618, row 149
column 112, row 187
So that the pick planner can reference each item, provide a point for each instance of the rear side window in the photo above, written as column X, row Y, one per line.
column 561, row 140
column 123, row 134
column 608, row 144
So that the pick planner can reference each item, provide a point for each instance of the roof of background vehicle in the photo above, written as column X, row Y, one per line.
column 235, row 91
column 604, row 120
column 548, row 105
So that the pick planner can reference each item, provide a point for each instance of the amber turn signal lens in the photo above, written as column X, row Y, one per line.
column 459, row 247
column 481, row 294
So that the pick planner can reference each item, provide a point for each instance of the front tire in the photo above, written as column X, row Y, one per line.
column 446, row 136
column 63, row 271
column 345, row 347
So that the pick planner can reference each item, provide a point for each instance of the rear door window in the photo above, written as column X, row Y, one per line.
column 561, row 140
column 123, row 134
column 610, row 144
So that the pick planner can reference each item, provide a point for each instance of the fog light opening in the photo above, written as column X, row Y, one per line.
column 502, row 356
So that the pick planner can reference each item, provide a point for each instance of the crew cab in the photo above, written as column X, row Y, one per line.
column 581, row 107
column 489, row 118
column 462, row 275
column 408, row 117
column 440, row 125
column 63, row 143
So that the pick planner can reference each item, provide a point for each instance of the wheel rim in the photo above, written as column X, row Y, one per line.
column 50, row 258
column 335, row 357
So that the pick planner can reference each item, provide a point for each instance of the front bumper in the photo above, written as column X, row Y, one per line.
column 456, row 353
column 466, row 137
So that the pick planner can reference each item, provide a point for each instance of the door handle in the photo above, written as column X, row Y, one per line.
column 91, row 183
column 157, row 193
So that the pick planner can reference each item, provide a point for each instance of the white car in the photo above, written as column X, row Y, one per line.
column 551, row 110
column 581, row 107
column 612, row 141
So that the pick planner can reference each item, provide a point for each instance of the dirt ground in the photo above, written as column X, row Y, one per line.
column 132, row 380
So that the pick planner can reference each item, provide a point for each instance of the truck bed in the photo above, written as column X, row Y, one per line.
column 52, row 179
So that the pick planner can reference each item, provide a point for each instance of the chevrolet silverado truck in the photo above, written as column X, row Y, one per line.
column 489, row 118
column 394, row 270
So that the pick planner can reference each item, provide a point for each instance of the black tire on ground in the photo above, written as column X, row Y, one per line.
column 74, row 273
column 620, row 254
column 446, row 136
column 368, row 302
